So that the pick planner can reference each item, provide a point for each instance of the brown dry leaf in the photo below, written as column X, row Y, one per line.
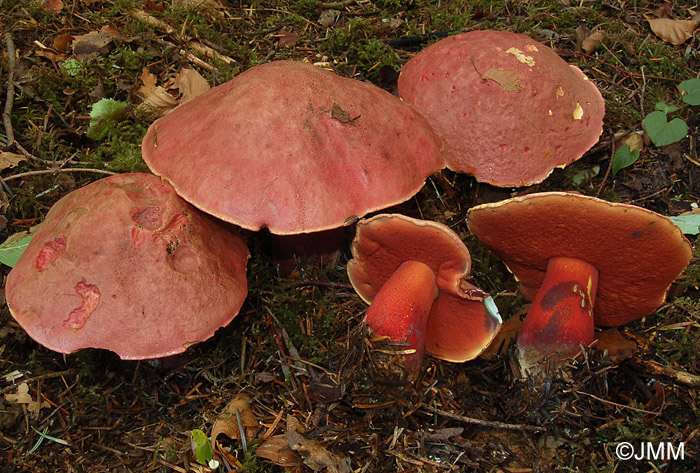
column 287, row 39
column 507, row 79
column 61, row 42
column 277, row 450
column 634, row 140
column 154, row 96
column 618, row 346
column 190, row 83
column 314, row 454
column 227, row 422
column 53, row 6
column 23, row 397
column 592, row 41
column 90, row 43
column 509, row 331
column 198, row 4
column 10, row 160
column 674, row 31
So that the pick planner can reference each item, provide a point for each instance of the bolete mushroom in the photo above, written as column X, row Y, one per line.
column 126, row 265
column 508, row 109
column 412, row 273
column 582, row 261
column 294, row 148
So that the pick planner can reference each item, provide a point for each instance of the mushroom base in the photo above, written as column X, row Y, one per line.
column 317, row 247
column 561, row 317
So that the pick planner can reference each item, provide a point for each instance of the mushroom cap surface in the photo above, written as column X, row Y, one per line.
column 459, row 326
column 508, row 109
column 126, row 265
column 637, row 252
column 294, row 148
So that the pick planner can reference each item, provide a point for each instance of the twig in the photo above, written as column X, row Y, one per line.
column 56, row 374
column 483, row 423
column 53, row 171
column 605, row 401
column 10, row 97
column 658, row 369
column 610, row 165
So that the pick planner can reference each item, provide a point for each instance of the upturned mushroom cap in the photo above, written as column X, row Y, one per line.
column 294, row 148
column 463, row 319
column 126, row 265
column 509, row 109
column 638, row 253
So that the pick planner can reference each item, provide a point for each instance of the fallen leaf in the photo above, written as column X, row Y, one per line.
column 190, row 83
column 23, row 397
column 618, row 346
column 154, row 96
column 53, row 6
column 287, row 39
column 9, row 160
column 507, row 79
column 509, row 331
column 315, row 455
column 277, row 450
column 94, row 41
column 592, row 41
column 634, row 140
column 673, row 31
column 227, row 422
column 61, row 42
column 328, row 18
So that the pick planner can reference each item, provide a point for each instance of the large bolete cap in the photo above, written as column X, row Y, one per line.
column 638, row 253
column 463, row 319
column 509, row 109
column 126, row 265
column 294, row 148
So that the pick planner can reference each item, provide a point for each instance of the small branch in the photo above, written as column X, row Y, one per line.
column 53, row 171
column 56, row 374
column 483, row 423
column 621, row 406
column 10, row 97
column 610, row 165
column 655, row 368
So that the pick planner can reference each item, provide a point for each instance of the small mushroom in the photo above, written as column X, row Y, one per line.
column 412, row 273
column 293, row 148
column 126, row 265
column 584, row 262
column 508, row 109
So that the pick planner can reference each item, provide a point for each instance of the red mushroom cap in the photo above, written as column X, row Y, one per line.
column 294, row 148
column 126, row 265
column 463, row 319
column 509, row 109
column 638, row 253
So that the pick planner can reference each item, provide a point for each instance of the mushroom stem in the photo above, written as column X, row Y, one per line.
column 561, row 316
column 400, row 311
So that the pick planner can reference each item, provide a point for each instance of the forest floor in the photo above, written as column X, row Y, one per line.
column 295, row 361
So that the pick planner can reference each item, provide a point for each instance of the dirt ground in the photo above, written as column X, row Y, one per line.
column 295, row 363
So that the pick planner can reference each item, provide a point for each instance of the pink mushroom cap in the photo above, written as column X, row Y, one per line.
column 126, row 265
column 294, row 148
column 508, row 109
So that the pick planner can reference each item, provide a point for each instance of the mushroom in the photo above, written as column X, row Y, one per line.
column 126, row 265
column 293, row 148
column 582, row 261
column 412, row 273
column 508, row 109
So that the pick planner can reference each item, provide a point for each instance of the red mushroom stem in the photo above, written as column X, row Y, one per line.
column 400, row 311
column 561, row 316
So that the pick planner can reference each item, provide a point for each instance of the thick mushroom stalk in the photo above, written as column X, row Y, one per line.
column 400, row 311
column 561, row 316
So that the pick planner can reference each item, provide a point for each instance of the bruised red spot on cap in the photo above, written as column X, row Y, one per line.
column 173, row 227
column 147, row 217
column 50, row 251
column 138, row 235
column 91, row 298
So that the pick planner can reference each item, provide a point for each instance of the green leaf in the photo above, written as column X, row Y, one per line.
column 585, row 175
column 663, row 132
column 689, row 223
column 201, row 447
column 691, row 87
column 12, row 248
column 665, row 108
column 104, row 113
column 623, row 157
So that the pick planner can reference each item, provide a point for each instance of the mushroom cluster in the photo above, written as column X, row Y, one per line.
column 412, row 272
